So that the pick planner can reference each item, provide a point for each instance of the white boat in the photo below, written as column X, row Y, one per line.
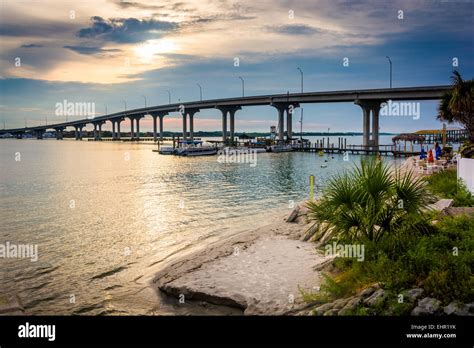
column 166, row 150
column 196, row 151
column 280, row 148
column 194, row 148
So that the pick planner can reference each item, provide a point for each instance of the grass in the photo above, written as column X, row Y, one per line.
column 446, row 185
column 440, row 262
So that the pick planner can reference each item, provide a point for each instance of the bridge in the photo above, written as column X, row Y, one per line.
column 369, row 100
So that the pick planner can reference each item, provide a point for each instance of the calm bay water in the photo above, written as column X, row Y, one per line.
column 107, row 216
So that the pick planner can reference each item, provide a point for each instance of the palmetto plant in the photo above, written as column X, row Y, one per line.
column 371, row 201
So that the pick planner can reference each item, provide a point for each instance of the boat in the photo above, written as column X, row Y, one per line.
column 194, row 148
column 166, row 150
column 280, row 148
column 196, row 151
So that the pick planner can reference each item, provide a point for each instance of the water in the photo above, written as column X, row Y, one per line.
column 107, row 216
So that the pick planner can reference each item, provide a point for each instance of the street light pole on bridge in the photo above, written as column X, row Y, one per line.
column 169, row 97
column 243, row 86
column 301, row 72
column 144, row 97
column 390, row 61
column 200, row 91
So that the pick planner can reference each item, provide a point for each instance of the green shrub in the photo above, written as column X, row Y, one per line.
column 441, row 261
column 445, row 184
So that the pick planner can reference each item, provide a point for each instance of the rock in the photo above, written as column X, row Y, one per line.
column 350, row 305
column 456, row 308
column 10, row 305
column 375, row 298
column 338, row 304
column 322, row 309
column 331, row 312
column 454, row 211
column 413, row 294
column 426, row 306
column 294, row 214
column 441, row 204
column 310, row 232
column 366, row 292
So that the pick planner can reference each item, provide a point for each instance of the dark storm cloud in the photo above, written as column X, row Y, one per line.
column 89, row 50
column 125, row 30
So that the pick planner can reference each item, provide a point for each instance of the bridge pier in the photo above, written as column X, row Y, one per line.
column 117, row 134
column 155, row 132
column 370, row 110
column 154, row 127
column 132, row 131
column 231, row 110
column 191, row 113
column 113, row 129
column 161, row 126
column 184, row 127
column 283, row 108
column 98, row 130
column 289, row 123
column 78, row 131
column 39, row 133
column 137, row 134
column 59, row 133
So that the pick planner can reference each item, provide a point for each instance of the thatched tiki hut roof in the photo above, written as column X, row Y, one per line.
column 415, row 138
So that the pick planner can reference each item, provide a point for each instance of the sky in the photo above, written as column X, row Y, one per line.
column 110, row 53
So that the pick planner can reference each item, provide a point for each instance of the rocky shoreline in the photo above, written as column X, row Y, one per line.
column 370, row 300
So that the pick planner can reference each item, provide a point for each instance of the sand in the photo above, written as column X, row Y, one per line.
column 260, row 271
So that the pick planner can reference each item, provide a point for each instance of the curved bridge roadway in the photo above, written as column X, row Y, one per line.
column 368, row 99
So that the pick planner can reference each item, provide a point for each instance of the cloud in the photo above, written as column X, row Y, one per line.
column 293, row 29
column 87, row 50
column 31, row 46
column 125, row 30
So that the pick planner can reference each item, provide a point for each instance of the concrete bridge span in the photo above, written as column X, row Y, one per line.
column 369, row 100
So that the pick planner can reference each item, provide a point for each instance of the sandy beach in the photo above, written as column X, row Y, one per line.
column 259, row 271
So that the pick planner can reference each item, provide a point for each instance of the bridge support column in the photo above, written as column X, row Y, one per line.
column 39, row 134
column 224, row 126
column 289, row 123
column 100, row 131
column 191, row 126
column 366, row 126
column 155, row 138
column 113, row 130
column 282, row 108
column 132, row 131
column 161, row 126
column 117, row 136
column 231, row 126
column 369, row 106
column 185, row 132
column 95, row 132
column 59, row 133
column 375, row 125
column 231, row 110
column 137, row 137
column 79, row 132
column 281, row 124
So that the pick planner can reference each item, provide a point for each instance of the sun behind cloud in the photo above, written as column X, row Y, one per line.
column 149, row 50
